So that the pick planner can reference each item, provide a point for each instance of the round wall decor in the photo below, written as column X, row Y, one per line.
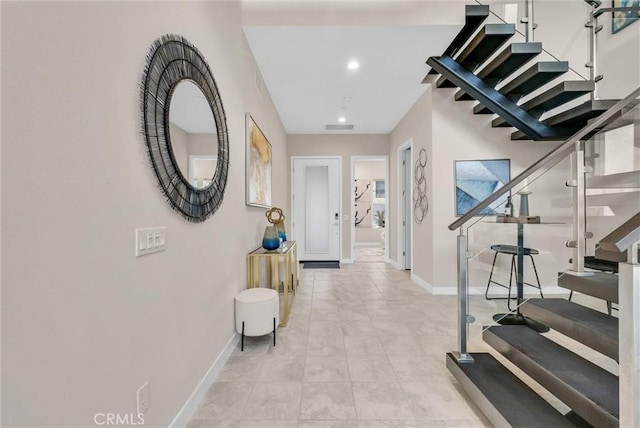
column 172, row 60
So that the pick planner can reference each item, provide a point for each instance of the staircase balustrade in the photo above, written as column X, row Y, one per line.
column 571, row 194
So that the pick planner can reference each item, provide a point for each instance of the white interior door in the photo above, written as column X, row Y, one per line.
column 316, row 208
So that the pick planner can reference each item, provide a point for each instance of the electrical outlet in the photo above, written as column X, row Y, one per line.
column 143, row 398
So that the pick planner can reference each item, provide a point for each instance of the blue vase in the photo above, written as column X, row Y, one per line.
column 282, row 233
column 270, row 240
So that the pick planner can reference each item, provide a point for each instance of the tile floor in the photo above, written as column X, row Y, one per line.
column 368, row 254
column 364, row 347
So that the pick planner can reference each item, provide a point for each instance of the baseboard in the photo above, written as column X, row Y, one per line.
column 393, row 263
column 346, row 261
column 422, row 283
column 479, row 291
column 184, row 415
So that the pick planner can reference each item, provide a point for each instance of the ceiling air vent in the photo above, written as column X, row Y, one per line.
column 341, row 127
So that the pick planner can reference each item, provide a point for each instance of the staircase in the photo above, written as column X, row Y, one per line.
column 500, row 80
column 499, row 76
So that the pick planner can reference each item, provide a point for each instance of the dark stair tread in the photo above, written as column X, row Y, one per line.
column 504, row 64
column 580, row 114
column 595, row 329
column 489, row 96
column 474, row 16
column 485, row 43
column 556, row 96
column 601, row 285
column 588, row 389
column 517, row 403
column 533, row 78
column 482, row 46
column 574, row 119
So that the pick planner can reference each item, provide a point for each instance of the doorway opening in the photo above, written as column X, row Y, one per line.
column 369, row 208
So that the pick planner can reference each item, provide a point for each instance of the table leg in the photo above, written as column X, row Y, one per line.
column 517, row 318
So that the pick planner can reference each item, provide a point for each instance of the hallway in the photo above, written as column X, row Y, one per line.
column 365, row 347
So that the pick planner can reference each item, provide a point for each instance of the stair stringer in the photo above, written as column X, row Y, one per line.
column 491, row 98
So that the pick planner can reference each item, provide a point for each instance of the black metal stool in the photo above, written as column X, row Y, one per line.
column 513, row 251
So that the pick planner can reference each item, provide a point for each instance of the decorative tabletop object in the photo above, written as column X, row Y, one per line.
column 278, row 222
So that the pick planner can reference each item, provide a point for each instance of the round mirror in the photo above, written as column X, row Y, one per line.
column 185, row 127
column 193, row 134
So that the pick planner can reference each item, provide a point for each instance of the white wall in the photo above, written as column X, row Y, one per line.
column 85, row 323
column 369, row 169
column 344, row 146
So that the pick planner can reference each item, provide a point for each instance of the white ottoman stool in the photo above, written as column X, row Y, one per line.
column 257, row 313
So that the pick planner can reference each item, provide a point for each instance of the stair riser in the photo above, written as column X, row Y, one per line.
column 501, row 396
column 566, row 394
column 483, row 403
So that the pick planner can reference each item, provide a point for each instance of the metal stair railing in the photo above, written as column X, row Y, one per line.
column 573, row 145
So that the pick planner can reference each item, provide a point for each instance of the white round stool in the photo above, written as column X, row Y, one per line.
column 257, row 313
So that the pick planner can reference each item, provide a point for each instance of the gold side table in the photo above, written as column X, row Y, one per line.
column 288, row 254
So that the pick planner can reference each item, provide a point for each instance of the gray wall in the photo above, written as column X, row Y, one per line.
column 84, row 322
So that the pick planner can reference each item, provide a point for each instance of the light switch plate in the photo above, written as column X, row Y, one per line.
column 150, row 240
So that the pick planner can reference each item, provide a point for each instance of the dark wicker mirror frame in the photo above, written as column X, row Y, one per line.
column 172, row 59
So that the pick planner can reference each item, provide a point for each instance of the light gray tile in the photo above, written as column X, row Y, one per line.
column 274, row 401
column 257, row 345
column 282, row 367
column 437, row 400
column 370, row 369
column 241, row 368
column 224, row 400
column 401, row 345
column 358, row 328
column 324, row 328
column 326, row 346
column 380, row 401
column 327, row 400
column 454, row 423
column 203, row 423
column 323, row 369
column 416, row 367
column 327, row 423
column 393, row 424
column 363, row 345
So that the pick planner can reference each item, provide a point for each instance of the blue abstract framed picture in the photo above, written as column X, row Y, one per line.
column 477, row 179
column 622, row 19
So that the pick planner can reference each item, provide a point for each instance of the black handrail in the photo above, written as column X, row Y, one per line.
column 550, row 159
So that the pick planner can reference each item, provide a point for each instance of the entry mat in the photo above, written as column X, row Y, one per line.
column 321, row 265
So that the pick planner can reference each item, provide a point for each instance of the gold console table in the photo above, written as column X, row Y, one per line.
column 287, row 253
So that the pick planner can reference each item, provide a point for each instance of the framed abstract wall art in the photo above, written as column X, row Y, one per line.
column 477, row 179
column 258, row 165
column 622, row 19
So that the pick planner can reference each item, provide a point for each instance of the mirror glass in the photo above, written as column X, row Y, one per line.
column 193, row 134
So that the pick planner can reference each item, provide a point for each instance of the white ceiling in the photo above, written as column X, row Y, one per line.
column 305, row 71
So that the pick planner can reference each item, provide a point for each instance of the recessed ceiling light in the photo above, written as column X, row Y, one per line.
column 347, row 99
column 342, row 119
column 353, row 64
